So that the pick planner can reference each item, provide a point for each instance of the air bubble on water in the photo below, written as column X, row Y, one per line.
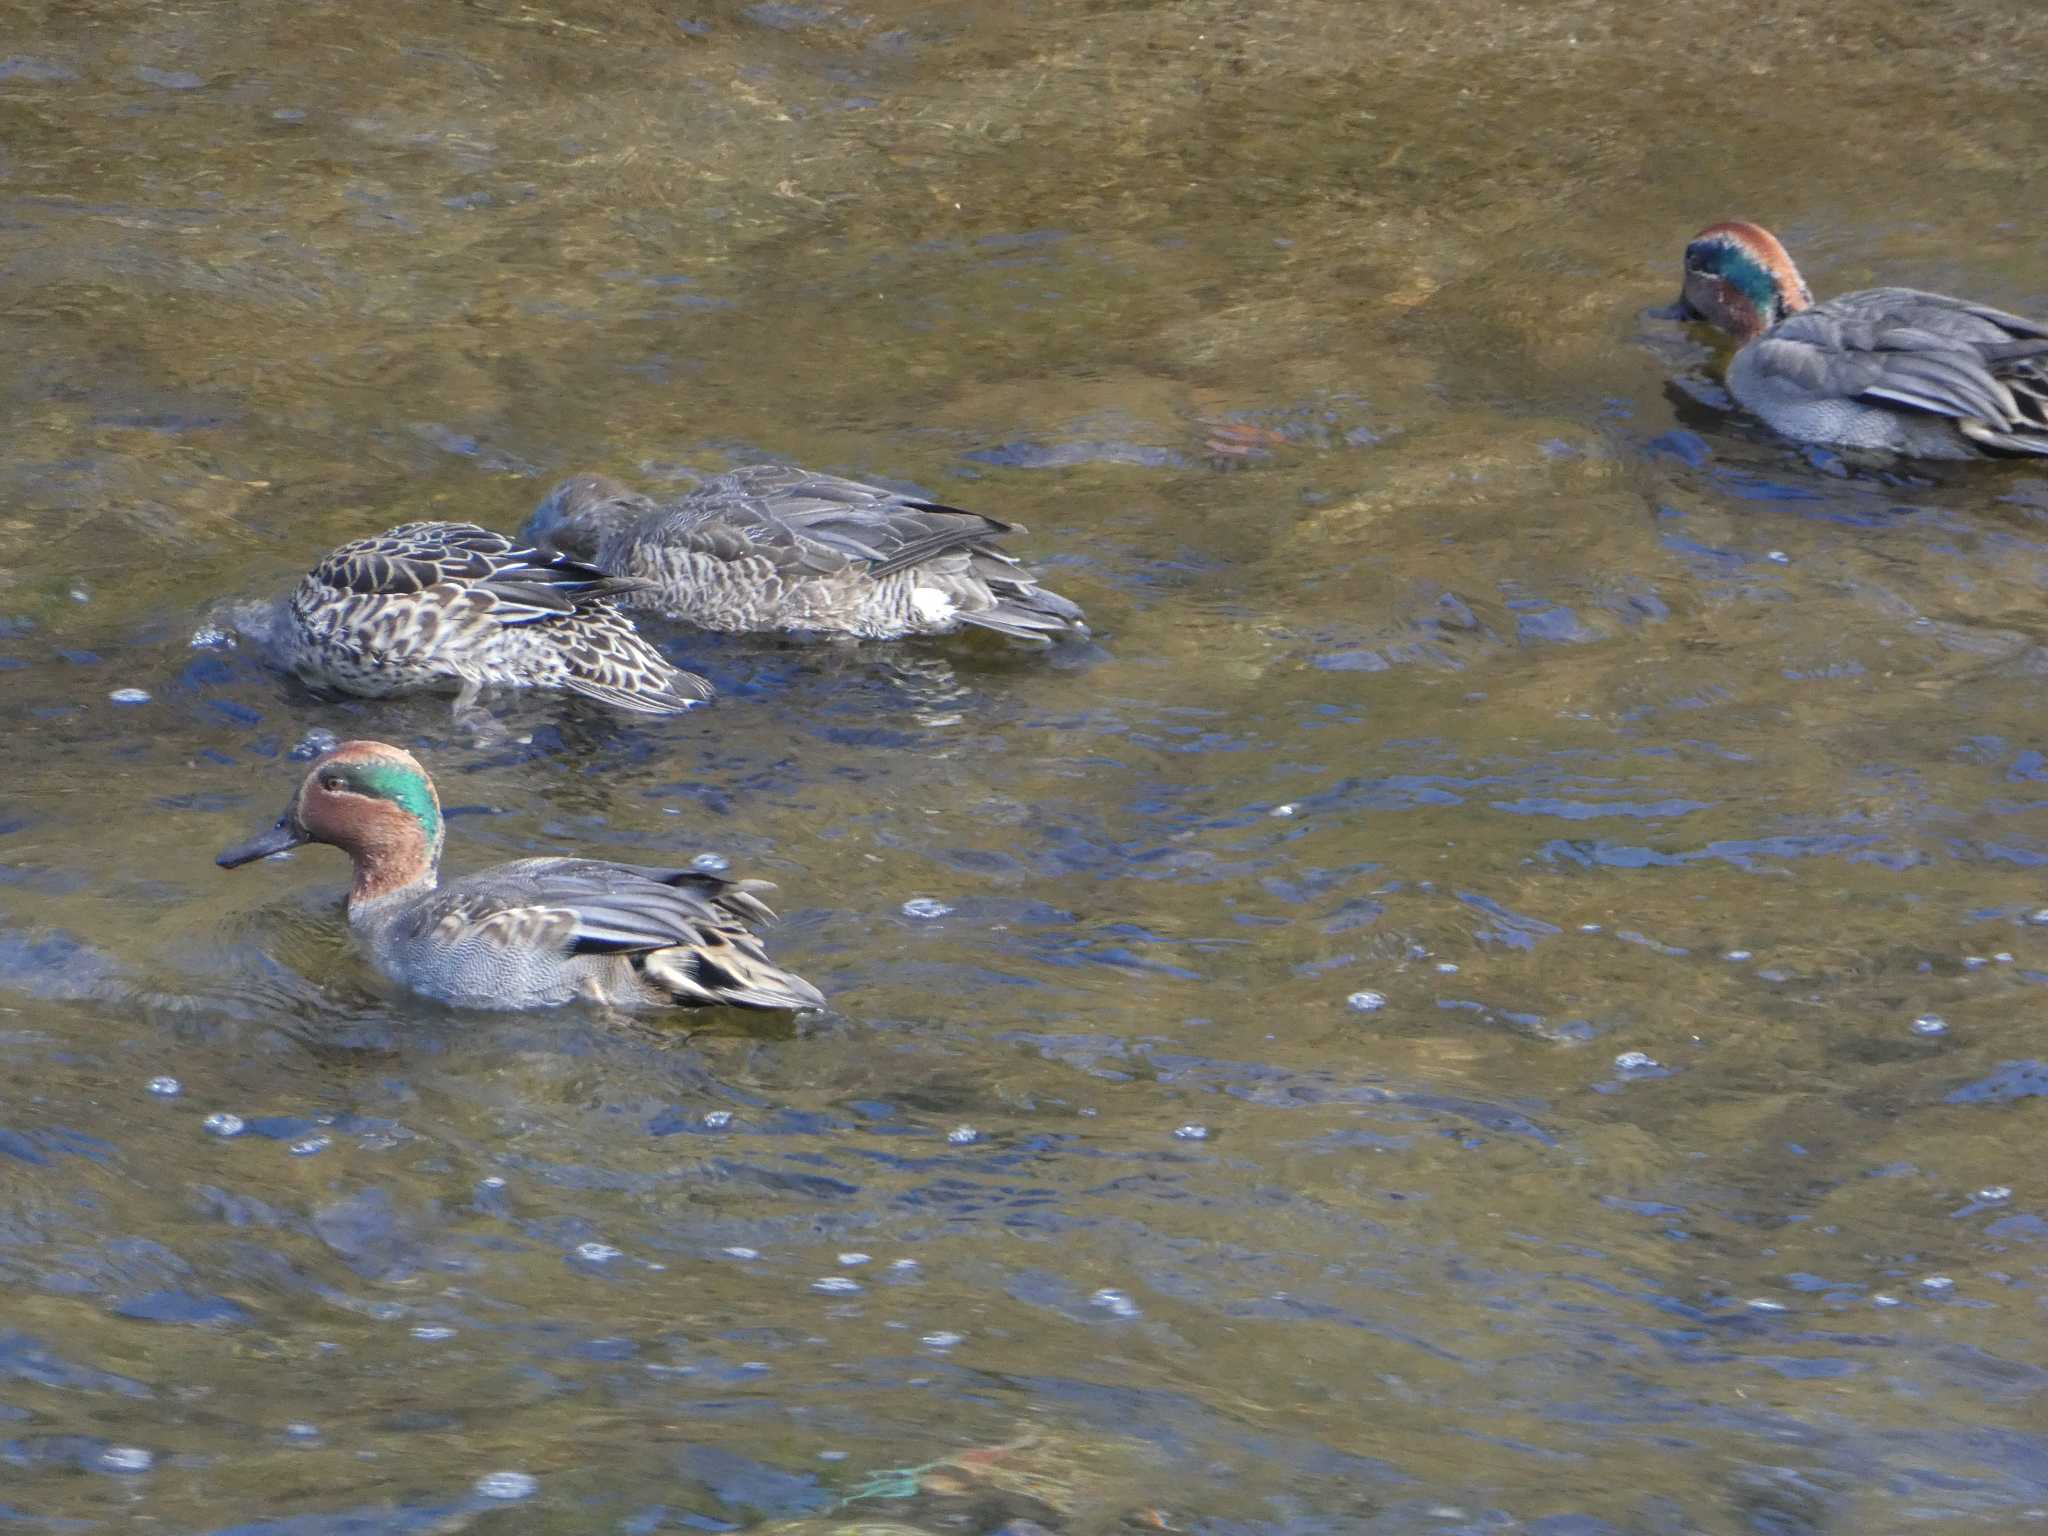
column 711, row 863
column 221, row 1123
column 492, row 1181
column 737, row 1252
column 1366, row 1002
column 1974, row 962
column 1737, row 955
column 1589, row 927
column 211, row 637
column 833, row 1455
column 127, row 1458
column 166, row 1087
column 130, row 695
column 1930, row 1024
column 596, row 1253
column 836, row 1285
column 310, row 1146
column 943, row 1340
column 1634, row 1061
column 925, row 907
column 1191, row 1133
column 963, row 1135
column 508, row 1485
column 717, row 1119
column 1992, row 1194
column 1778, row 557
column 851, row 1260
column 80, row 595
column 1882, row 1300
column 433, row 1333
column 1114, row 1302
column 302, row 1431
column 1448, row 967
column 1282, row 810
column 1937, row 1283
column 314, row 743
column 1764, row 1304
column 2003, row 957
column 905, row 1266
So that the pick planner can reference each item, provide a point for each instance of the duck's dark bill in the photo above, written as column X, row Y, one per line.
column 1678, row 309
column 281, row 838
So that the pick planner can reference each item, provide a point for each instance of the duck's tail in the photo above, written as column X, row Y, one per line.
column 1024, row 610
column 2022, row 430
column 648, row 693
column 604, row 657
column 728, row 969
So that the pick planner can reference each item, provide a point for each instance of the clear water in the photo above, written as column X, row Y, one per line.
column 1416, row 1033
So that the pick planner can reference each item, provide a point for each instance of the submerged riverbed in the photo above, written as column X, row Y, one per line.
column 1502, row 994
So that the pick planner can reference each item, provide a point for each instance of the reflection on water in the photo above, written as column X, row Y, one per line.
column 1499, row 997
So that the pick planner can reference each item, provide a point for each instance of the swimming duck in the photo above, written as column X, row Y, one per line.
column 1917, row 373
column 768, row 548
column 430, row 604
column 531, row 933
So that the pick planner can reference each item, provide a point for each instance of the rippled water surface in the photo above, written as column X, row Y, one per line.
column 1414, row 1032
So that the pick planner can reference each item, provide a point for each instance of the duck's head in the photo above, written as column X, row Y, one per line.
column 371, row 800
column 1738, row 277
column 581, row 513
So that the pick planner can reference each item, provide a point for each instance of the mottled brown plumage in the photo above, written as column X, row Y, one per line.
column 430, row 605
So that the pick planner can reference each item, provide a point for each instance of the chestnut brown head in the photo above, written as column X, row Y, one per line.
column 369, row 799
column 1738, row 277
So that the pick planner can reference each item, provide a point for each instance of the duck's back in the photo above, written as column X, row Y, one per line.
column 771, row 547
column 1903, row 370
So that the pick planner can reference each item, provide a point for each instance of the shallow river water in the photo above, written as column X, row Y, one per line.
column 1500, row 995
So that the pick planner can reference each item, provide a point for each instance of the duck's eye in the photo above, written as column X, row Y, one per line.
column 334, row 782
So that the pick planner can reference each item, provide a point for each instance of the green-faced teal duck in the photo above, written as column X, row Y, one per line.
column 434, row 605
column 768, row 549
column 531, row 933
column 1915, row 373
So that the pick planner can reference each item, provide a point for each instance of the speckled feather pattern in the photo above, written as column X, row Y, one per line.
column 429, row 604
column 1895, row 369
column 775, row 549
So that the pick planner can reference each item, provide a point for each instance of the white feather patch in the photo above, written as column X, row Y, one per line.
column 932, row 605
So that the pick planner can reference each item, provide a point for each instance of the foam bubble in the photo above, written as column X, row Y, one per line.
column 508, row 1485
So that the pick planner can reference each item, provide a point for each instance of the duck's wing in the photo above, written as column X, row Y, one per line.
column 689, row 932
column 811, row 524
column 515, row 583
column 1984, row 368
